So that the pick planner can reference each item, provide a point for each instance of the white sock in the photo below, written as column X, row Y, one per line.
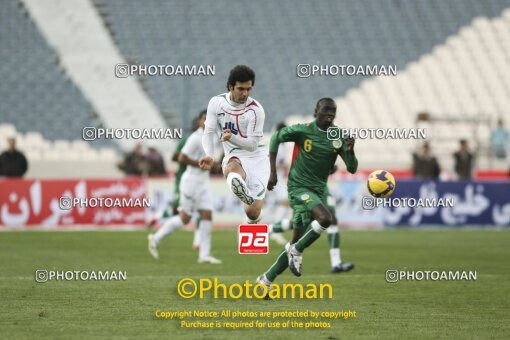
column 334, row 255
column 204, row 230
column 169, row 227
column 196, row 237
column 316, row 226
column 285, row 224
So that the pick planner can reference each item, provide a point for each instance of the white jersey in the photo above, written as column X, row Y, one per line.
column 246, row 121
column 194, row 150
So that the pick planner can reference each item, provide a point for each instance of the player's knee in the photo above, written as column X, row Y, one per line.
column 253, row 214
column 184, row 217
column 333, row 220
column 324, row 220
column 206, row 215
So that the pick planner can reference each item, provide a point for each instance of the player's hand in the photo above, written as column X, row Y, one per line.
column 273, row 179
column 205, row 163
column 216, row 168
column 227, row 134
column 350, row 143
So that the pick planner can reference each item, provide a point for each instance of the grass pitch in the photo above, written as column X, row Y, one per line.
column 126, row 309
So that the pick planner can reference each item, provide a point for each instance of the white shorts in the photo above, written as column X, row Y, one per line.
column 257, row 171
column 194, row 196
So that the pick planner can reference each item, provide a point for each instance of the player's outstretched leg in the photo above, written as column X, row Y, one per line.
column 276, row 269
column 322, row 220
column 169, row 227
column 235, row 179
column 238, row 186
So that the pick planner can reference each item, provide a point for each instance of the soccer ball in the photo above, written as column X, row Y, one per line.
column 380, row 183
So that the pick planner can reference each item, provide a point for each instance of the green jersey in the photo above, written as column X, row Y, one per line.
column 316, row 155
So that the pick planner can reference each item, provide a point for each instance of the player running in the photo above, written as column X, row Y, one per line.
column 307, row 183
column 162, row 216
column 337, row 266
column 238, row 120
column 195, row 195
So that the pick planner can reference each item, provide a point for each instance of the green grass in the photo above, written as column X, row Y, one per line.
column 440, row 309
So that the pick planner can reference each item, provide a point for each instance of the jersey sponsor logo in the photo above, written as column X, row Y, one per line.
column 231, row 126
column 337, row 144
column 304, row 197
column 253, row 239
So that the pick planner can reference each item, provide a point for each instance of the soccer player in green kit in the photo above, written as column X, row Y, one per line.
column 307, row 183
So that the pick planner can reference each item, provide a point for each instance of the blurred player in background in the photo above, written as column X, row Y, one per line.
column 307, row 183
column 238, row 120
column 161, row 216
column 195, row 196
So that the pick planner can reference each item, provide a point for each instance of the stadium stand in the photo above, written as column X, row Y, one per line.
column 277, row 37
column 36, row 93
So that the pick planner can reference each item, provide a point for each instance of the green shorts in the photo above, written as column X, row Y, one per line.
column 302, row 202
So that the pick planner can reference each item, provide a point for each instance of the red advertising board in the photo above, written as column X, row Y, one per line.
column 89, row 202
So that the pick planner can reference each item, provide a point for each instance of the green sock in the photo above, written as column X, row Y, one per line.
column 277, row 227
column 281, row 226
column 334, row 239
column 278, row 267
column 166, row 213
column 313, row 232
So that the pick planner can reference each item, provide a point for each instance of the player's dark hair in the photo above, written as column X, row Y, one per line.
column 240, row 73
column 280, row 126
column 324, row 101
column 194, row 124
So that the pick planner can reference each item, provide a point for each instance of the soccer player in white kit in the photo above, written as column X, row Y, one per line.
column 194, row 195
column 238, row 121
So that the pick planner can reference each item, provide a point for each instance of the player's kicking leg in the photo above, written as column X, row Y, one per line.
column 306, row 206
column 246, row 179
column 236, row 176
column 172, row 224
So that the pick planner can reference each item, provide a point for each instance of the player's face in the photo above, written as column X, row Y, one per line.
column 325, row 116
column 241, row 91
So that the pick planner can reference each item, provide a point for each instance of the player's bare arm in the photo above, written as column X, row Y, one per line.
column 349, row 157
column 273, row 178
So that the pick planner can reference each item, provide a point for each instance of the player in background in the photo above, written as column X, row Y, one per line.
column 307, row 183
column 161, row 216
column 238, row 121
column 195, row 195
